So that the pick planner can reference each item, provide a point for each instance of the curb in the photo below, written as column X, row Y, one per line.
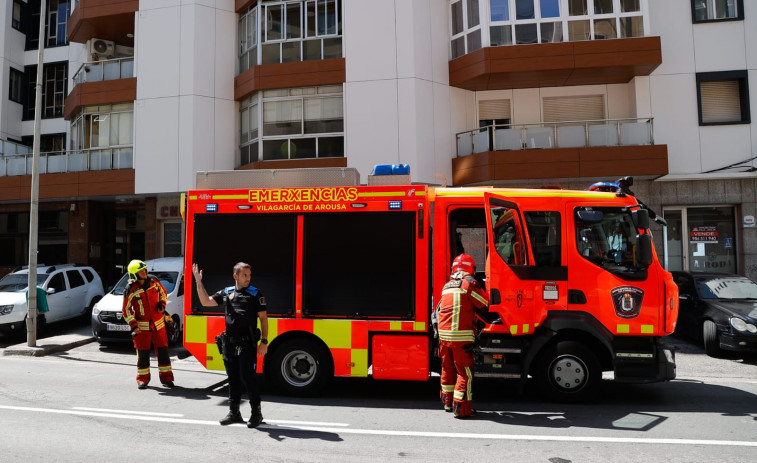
column 41, row 351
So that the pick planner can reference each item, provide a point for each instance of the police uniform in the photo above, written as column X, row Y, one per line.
column 240, row 350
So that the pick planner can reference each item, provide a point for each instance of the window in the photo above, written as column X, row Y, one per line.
column 466, row 26
column 723, row 98
column 289, row 31
column 701, row 239
column 297, row 123
column 56, row 23
column 48, row 142
column 103, row 126
column 172, row 239
column 544, row 234
column 17, row 14
column 57, row 283
column 74, row 278
column 16, row 86
column 717, row 10
column 54, row 81
column 88, row 274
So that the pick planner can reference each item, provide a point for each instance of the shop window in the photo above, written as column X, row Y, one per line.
column 701, row 239
column 172, row 239
column 717, row 10
column 723, row 98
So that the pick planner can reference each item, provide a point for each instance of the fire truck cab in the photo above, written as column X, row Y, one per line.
column 351, row 274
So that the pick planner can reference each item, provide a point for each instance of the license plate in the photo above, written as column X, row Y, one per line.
column 118, row 327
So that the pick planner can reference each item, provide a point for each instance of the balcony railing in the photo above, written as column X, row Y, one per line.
column 55, row 162
column 551, row 135
column 98, row 71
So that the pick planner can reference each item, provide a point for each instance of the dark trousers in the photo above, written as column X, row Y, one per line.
column 240, row 368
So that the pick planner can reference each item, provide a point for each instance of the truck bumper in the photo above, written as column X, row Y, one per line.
column 646, row 367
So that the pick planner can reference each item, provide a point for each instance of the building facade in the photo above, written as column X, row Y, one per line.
column 141, row 95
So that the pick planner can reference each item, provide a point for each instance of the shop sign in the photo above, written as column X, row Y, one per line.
column 703, row 234
column 748, row 221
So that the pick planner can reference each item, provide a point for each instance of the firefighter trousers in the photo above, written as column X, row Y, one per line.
column 457, row 377
column 240, row 362
column 142, row 342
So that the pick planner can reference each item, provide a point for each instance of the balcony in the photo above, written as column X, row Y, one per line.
column 79, row 173
column 560, row 64
column 105, row 19
column 102, row 82
column 570, row 149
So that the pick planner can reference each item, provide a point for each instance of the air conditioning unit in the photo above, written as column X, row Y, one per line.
column 101, row 49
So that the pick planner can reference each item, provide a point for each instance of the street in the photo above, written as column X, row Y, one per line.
column 83, row 405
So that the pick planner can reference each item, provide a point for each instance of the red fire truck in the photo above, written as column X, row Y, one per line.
column 351, row 274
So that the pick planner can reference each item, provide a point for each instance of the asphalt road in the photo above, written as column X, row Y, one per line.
column 83, row 405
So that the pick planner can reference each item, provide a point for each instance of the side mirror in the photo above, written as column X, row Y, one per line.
column 640, row 218
column 644, row 250
column 50, row 291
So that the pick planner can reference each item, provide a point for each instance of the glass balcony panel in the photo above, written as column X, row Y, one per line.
column 99, row 160
column 508, row 139
column 127, row 68
column 551, row 32
column 111, row 70
column 481, row 141
column 311, row 49
column 77, row 161
column 332, row 48
column 123, row 158
column 331, row 147
column 458, row 47
column 290, row 52
column 579, row 30
column 93, row 73
column 474, row 41
column 605, row 29
column 603, row 135
column 302, row 148
column 16, row 165
column 540, row 137
column 635, row 133
column 525, row 33
column 56, row 163
column 465, row 144
column 271, row 53
column 571, row 136
column 500, row 35
column 632, row 27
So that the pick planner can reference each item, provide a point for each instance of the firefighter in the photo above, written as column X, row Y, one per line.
column 144, row 310
column 461, row 298
column 243, row 305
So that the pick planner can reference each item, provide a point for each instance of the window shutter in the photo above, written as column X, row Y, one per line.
column 493, row 109
column 574, row 108
column 720, row 101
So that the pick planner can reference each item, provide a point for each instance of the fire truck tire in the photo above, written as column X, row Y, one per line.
column 300, row 367
column 710, row 337
column 568, row 372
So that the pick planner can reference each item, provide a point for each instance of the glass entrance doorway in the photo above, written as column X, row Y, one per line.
column 700, row 239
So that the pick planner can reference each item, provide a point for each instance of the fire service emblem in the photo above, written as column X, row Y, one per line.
column 627, row 301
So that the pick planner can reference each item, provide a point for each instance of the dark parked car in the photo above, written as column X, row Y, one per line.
column 719, row 309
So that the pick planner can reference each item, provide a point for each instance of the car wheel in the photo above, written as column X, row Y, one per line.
column 567, row 372
column 174, row 336
column 300, row 367
column 710, row 337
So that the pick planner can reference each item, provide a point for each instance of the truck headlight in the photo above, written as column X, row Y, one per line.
column 6, row 309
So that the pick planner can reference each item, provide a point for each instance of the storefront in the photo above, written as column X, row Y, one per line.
column 701, row 238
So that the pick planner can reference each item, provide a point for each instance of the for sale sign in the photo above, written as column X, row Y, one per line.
column 702, row 234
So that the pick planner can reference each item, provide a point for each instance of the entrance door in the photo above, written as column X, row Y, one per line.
column 701, row 239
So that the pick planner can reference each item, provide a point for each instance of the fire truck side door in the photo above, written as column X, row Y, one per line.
column 511, row 292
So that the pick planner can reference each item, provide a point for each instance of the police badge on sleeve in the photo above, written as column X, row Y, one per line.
column 627, row 301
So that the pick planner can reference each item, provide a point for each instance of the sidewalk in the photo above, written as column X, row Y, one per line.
column 53, row 344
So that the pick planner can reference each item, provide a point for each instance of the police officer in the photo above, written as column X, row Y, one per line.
column 243, row 305
column 461, row 298
column 144, row 310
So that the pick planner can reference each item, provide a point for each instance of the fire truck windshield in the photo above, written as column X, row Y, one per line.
column 606, row 237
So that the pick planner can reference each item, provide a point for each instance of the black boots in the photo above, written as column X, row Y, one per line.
column 233, row 416
column 256, row 418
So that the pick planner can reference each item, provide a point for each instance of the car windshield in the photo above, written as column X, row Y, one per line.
column 167, row 279
column 19, row 281
column 726, row 288
column 606, row 237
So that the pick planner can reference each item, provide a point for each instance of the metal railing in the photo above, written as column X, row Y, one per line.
column 54, row 162
column 549, row 135
column 111, row 69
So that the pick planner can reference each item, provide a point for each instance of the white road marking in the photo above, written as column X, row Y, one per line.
column 106, row 410
column 323, row 427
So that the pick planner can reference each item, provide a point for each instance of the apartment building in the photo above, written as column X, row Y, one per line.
column 467, row 92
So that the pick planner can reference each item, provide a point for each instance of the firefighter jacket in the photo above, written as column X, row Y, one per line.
column 144, row 303
column 461, row 298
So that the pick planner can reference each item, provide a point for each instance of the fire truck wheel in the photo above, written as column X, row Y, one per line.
column 300, row 367
column 568, row 372
column 710, row 336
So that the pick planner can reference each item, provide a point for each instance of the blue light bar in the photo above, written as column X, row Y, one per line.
column 211, row 208
column 395, row 205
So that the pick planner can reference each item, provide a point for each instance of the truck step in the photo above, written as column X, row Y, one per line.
column 501, row 350
column 498, row 375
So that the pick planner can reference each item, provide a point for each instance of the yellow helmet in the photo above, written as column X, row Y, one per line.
column 136, row 266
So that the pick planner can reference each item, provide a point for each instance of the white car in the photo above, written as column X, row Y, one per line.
column 108, row 324
column 72, row 291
